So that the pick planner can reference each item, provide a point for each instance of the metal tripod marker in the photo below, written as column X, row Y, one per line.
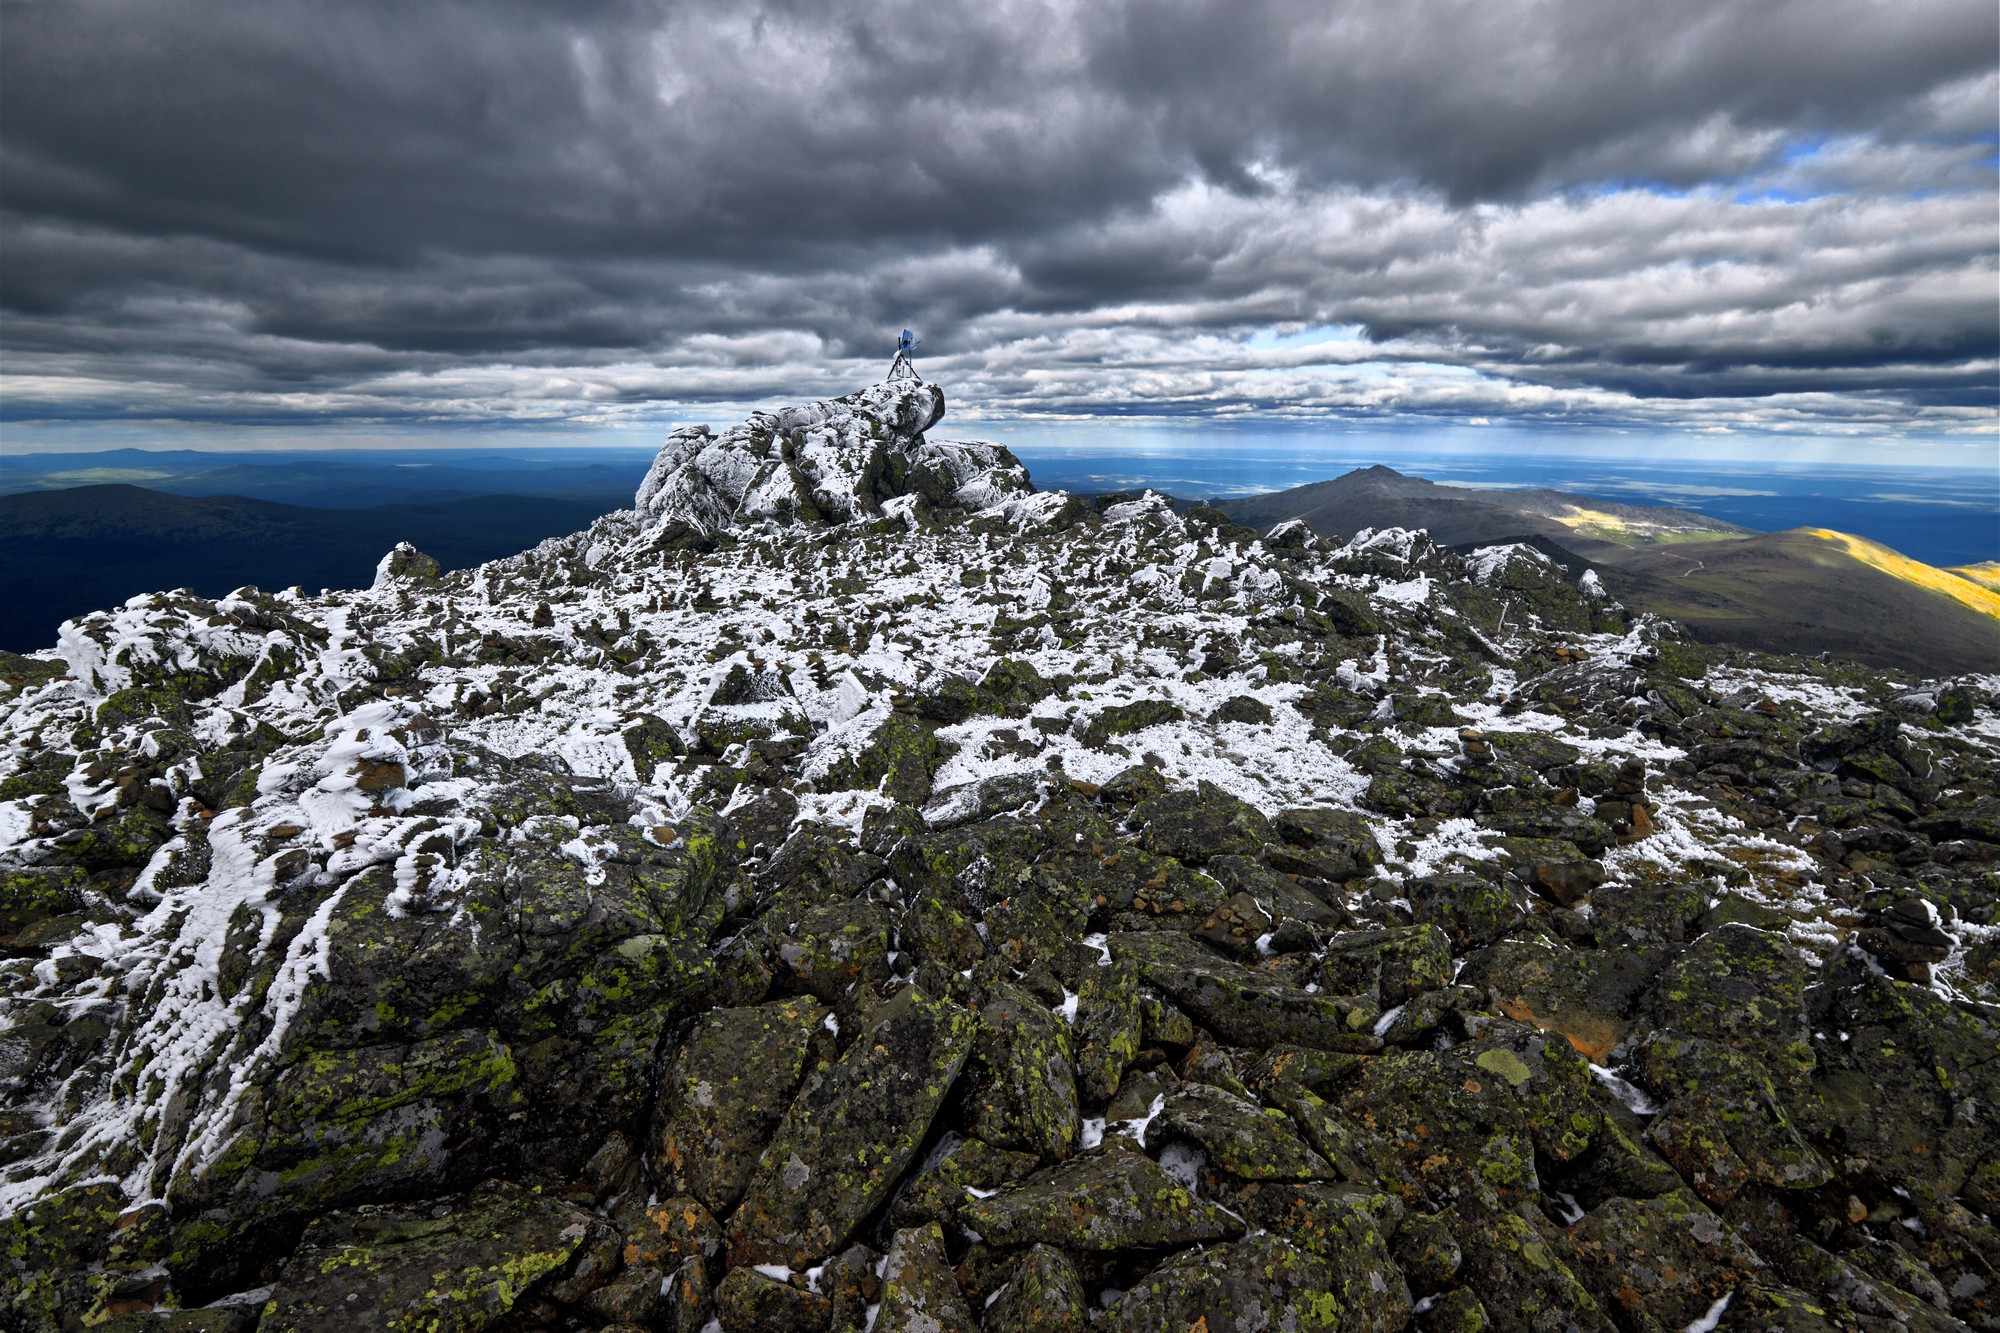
column 901, row 368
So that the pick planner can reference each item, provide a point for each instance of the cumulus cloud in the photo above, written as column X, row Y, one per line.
column 1772, row 216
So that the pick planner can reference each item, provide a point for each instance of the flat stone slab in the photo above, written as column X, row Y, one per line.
column 1243, row 1005
column 451, row 1265
column 1108, row 1202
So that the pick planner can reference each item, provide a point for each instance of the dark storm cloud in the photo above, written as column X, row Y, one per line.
column 1760, row 212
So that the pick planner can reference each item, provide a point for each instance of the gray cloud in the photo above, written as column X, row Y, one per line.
column 1771, row 216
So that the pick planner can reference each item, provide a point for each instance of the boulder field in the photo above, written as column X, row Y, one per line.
column 852, row 890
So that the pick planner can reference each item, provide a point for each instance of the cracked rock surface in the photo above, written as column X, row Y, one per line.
column 852, row 889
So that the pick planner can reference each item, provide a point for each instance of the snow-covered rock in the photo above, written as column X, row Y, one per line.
column 733, row 872
column 830, row 461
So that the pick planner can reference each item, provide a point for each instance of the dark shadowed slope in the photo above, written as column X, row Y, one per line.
column 66, row 552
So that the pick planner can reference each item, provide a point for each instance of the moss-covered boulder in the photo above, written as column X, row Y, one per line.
column 749, row 1300
column 851, row 1132
column 1658, row 1264
column 1744, row 987
column 378, row 1121
column 725, row 1092
column 455, row 1264
column 1125, row 719
column 949, row 699
column 956, row 1173
column 1516, row 1281
column 1112, row 1200
column 31, row 894
column 1110, row 1024
column 919, row 1292
column 1015, row 684
column 1395, row 965
column 1238, row 1136
column 1245, row 709
column 1019, row 1092
column 1192, row 826
column 900, row 760
column 1261, row 1282
column 1352, row 1147
column 1350, row 1229
column 1470, row 1122
column 651, row 741
column 1585, row 995
column 1473, row 910
column 1458, row 1310
column 833, row 949
column 1280, row 892
column 1732, row 1054
column 1042, row 1294
column 71, row 1254
column 1427, row 1254
column 1249, row 1006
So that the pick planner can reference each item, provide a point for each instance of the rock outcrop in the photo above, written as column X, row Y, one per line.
column 852, row 889
column 860, row 456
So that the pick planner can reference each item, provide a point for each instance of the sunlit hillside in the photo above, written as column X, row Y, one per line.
column 1980, row 596
column 1986, row 573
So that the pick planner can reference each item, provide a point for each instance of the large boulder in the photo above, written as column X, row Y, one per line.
column 851, row 1132
column 1261, row 1282
column 456, row 1265
column 724, row 1093
column 1113, row 1200
column 830, row 461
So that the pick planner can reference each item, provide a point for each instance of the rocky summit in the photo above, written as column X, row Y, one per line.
column 853, row 890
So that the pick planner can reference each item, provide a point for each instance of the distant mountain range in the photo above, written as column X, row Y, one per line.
column 354, row 480
column 68, row 548
column 1806, row 591
column 66, row 552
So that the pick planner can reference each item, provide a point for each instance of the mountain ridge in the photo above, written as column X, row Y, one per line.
column 1772, row 591
column 852, row 890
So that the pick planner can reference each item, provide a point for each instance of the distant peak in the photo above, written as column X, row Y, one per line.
column 1381, row 475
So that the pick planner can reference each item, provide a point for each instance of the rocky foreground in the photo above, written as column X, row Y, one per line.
column 852, row 890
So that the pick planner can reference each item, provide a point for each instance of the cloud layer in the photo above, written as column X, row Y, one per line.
column 1757, row 216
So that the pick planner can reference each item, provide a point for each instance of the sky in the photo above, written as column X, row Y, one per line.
column 1768, row 226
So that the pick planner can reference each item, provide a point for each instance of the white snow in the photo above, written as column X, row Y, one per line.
column 1184, row 1162
column 16, row 818
column 834, row 636
column 1633, row 1096
column 1710, row 1321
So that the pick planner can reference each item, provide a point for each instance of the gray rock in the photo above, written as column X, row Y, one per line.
column 724, row 1094
column 919, row 1293
column 1114, row 1200
column 851, row 1132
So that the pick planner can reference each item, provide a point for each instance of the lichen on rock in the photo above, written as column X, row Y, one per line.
column 852, row 881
